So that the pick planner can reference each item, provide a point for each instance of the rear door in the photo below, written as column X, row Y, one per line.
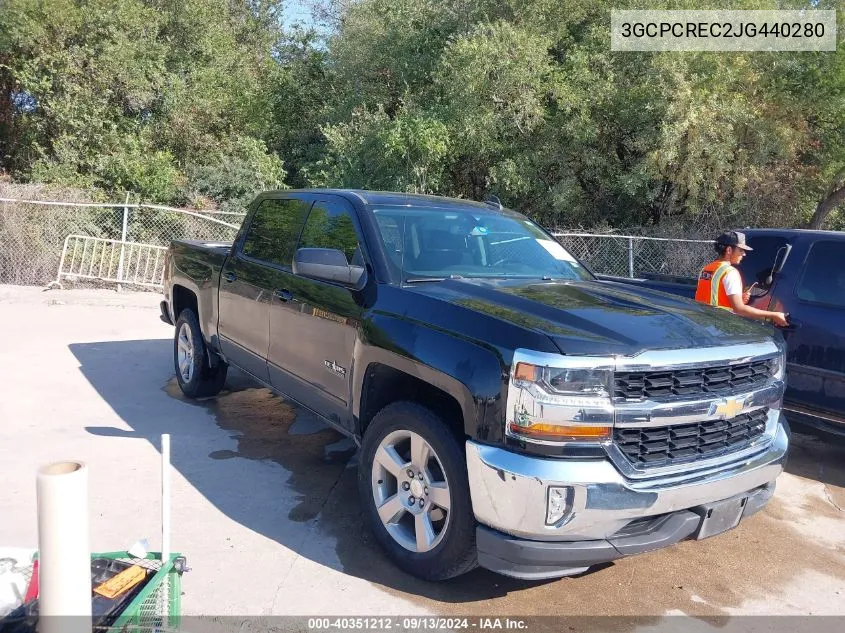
column 816, row 342
column 314, row 324
column 246, row 282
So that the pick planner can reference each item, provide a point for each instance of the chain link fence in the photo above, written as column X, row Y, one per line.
column 635, row 256
column 33, row 233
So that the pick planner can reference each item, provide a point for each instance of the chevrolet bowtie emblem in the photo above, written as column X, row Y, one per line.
column 728, row 408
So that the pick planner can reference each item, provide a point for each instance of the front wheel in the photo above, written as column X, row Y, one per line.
column 412, row 479
column 196, row 377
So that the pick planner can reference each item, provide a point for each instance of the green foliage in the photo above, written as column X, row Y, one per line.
column 139, row 95
column 233, row 177
column 492, row 82
column 208, row 101
column 374, row 151
column 299, row 89
column 137, row 166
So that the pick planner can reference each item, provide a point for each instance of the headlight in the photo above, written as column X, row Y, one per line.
column 778, row 363
column 565, row 380
column 555, row 403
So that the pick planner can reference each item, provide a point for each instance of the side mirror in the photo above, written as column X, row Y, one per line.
column 327, row 264
column 780, row 261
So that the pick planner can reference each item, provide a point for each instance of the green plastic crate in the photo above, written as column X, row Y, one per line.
column 159, row 604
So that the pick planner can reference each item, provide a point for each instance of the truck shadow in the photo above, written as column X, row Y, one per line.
column 316, row 514
column 818, row 457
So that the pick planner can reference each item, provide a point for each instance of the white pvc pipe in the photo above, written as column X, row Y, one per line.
column 64, row 600
column 165, row 497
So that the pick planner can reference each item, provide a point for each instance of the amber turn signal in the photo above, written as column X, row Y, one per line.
column 527, row 371
column 571, row 433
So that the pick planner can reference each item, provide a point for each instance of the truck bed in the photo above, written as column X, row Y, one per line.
column 213, row 249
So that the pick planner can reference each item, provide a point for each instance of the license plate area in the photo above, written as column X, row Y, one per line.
column 721, row 517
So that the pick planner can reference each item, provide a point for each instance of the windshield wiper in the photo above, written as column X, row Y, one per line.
column 414, row 280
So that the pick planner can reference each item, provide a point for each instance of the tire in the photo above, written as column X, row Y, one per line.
column 448, row 550
column 197, row 379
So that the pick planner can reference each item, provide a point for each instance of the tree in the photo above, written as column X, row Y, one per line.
column 520, row 99
column 207, row 101
column 136, row 95
column 834, row 197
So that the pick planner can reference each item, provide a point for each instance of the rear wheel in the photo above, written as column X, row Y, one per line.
column 196, row 377
column 412, row 480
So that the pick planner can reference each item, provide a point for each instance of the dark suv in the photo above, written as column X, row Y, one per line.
column 802, row 273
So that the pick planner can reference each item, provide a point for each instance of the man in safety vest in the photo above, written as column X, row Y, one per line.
column 720, row 283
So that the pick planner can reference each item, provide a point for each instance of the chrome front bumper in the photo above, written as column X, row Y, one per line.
column 509, row 490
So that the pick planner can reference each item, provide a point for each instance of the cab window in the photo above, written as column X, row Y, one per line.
column 823, row 278
column 330, row 225
column 273, row 231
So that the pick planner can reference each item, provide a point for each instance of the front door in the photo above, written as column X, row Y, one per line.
column 816, row 342
column 246, row 282
column 314, row 324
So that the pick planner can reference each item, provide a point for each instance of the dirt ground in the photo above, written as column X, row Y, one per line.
column 264, row 500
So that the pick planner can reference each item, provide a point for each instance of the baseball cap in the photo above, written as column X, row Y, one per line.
column 733, row 238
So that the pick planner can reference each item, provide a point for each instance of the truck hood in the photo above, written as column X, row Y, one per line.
column 599, row 317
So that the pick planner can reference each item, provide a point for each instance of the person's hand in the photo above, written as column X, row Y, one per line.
column 779, row 319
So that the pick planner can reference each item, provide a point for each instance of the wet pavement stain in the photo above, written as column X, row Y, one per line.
column 704, row 579
column 822, row 507
column 262, row 422
column 821, row 459
column 223, row 454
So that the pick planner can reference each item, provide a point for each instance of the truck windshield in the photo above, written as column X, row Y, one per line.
column 429, row 244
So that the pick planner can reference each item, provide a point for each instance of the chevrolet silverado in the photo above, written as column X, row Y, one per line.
column 512, row 410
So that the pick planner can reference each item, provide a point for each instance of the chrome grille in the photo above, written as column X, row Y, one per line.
column 649, row 447
column 640, row 385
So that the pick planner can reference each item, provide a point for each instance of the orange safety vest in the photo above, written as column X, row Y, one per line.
column 710, row 287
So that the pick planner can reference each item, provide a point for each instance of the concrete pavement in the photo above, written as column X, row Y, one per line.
column 265, row 505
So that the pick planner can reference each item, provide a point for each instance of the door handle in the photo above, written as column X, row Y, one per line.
column 792, row 323
column 229, row 276
column 283, row 295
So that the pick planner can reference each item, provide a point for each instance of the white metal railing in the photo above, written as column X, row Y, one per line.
column 32, row 232
column 113, row 261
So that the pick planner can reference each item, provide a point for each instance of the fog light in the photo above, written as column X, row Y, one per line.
column 558, row 503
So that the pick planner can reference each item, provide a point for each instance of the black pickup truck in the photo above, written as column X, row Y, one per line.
column 801, row 273
column 512, row 411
